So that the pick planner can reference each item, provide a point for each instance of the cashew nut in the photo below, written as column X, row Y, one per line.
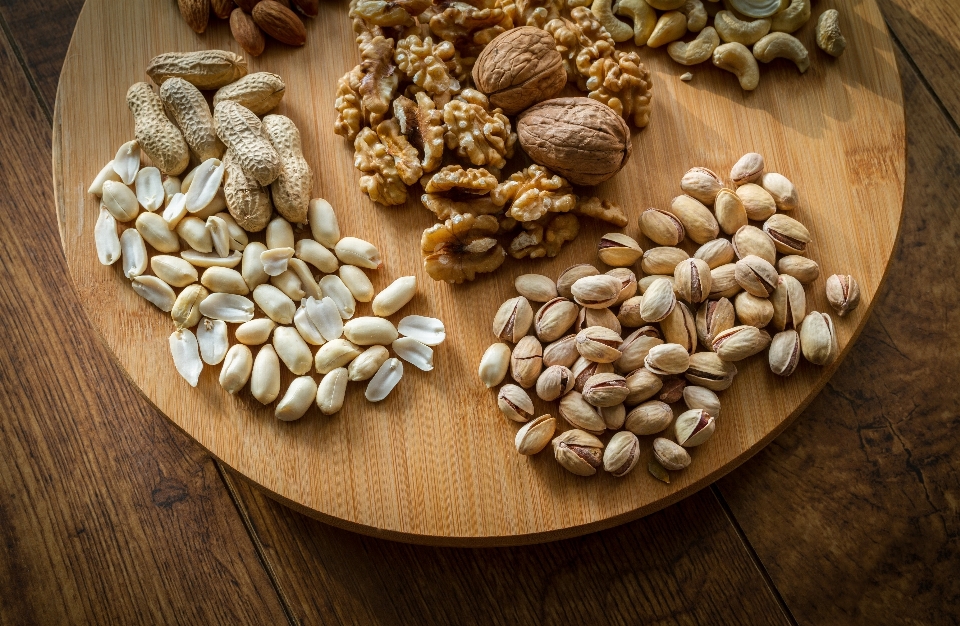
column 620, row 31
column 696, row 15
column 666, row 5
column 755, row 9
column 737, row 59
column 643, row 16
column 829, row 37
column 732, row 29
column 782, row 46
column 698, row 50
column 791, row 18
column 671, row 26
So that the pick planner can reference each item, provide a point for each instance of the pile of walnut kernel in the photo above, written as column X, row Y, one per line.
column 416, row 114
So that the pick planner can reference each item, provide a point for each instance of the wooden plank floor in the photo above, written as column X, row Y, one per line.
column 109, row 515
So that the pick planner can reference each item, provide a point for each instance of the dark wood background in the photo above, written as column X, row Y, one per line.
column 110, row 515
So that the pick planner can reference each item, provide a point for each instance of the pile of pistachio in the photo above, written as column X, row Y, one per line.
column 694, row 318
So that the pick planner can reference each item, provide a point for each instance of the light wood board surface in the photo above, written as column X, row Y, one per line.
column 435, row 462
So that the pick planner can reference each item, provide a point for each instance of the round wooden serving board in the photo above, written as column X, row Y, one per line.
column 435, row 463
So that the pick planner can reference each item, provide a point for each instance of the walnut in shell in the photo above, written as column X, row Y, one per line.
column 583, row 140
column 519, row 68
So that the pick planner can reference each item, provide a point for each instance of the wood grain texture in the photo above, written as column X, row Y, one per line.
column 107, row 515
column 929, row 33
column 682, row 565
column 435, row 466
column 853, row 510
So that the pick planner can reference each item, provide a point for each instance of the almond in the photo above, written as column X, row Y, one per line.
column 246, row 32
column 279, row 22
column 310, row 8
column 195, row 13
column 222, row 8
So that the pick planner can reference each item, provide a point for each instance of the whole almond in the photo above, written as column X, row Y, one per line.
column 196, row 13
column 222, row 8
column 246, row 32
column 280, row 23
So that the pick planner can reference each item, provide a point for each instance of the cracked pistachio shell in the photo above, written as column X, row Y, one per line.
column 597, row 317
column 740, row 342
column 579, row 413
column 578, row 452
column 696, row 397
column 629, row 314
column 635, row 347
column 756, row 276
column 662, row 260
column 536, row 287
column 753, row 311
column 628, row 283
column 710, row 371
column 515, row 403
column 554, row 382
column 526, row 361
column 649, row 418
column 680, row 328
column 789, row 303
column 513, row 319
column 554, row 319
column 670, row 455
column 715, row 253
column 599, row 344
column 494, row 364
column 694, row 427
column 691, row 280
column 747, row 169
column 818, row 339
column 698, row 222
column 784, row 354
column 643, row 385
column 661, row 227
column 604, row 390
column 672, row 391
column 535, row 435
column 584, row 369
column 621, row 454
column 571, row 275
column 730, row 211
column 596, row 292
column 619, row 250
column 714, row 317
column 701, row 183
column 658, row 301
column 723, row 281
column 843, row 293
column 788, row 235
column 667, row 359
column 751, row 240
column 563, row 351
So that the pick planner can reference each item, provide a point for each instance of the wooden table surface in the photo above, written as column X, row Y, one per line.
column 110, row 515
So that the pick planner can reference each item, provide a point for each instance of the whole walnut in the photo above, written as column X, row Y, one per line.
column 519, row 68
column 583, row 140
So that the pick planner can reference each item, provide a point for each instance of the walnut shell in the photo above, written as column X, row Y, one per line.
column 519, row 68
column 583, row 140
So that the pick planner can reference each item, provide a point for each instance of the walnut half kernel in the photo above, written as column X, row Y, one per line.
column 462, row 247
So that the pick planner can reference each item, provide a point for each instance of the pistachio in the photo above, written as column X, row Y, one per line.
column 629, row 314
column 649, row 418
column 581, row 414
column 635, row 347
column 715, row 253
column 571, row 275
column 740, row 342
column 661, row 227
column 698, row 222
column 818, row 338
column 751, row 240
column 843, row 293
column 578, row 452
column 643, row 385
column 731, row 214
column 621, row 454
column 757, row 201
column 554, row 382
column 554, row 319
column 670, row 455
column 628, row 282
column 784, row 353
column 691, row 279
column 513, row 319
column 789, row 303
column 753, row 311
column 696, row 397
column 658, row 301
column 667, row 359
column 536, row 288
column 598, row 317
column 788, row 235
column 800, row 267
column 702, row 184
column 680, row 328
column 599, row 344
column 783, row 191
column 614, row 416
column 662, row 260
column 756, row 276
column 644, row 283
column 694, row 427
column 584, row 369
column 596, row 292
column 714, row 317
column 563, row 351
column 672, row 389
column 710, row 371
column 493, row 364
column 603, row 390
column 535, row 435
column 618, row 250
column 748, row 169
column 515, row 403
column 526, row 361
column 723, row 281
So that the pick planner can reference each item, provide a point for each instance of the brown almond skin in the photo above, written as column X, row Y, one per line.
column 222, row 8
column 581, row 139
column 310, row 8
column 246, row 32
column 247, row 5
column 196, row 13
column 519, row 68
column 280, row 23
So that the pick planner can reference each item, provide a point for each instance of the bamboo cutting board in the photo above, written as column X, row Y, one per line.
column 435, row 462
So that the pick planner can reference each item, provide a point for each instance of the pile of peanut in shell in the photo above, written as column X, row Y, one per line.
column 179, row 240
column 694, row 319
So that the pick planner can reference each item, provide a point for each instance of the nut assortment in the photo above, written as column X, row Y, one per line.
column 615, row 352
column 193, row 233
column 251, row 21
